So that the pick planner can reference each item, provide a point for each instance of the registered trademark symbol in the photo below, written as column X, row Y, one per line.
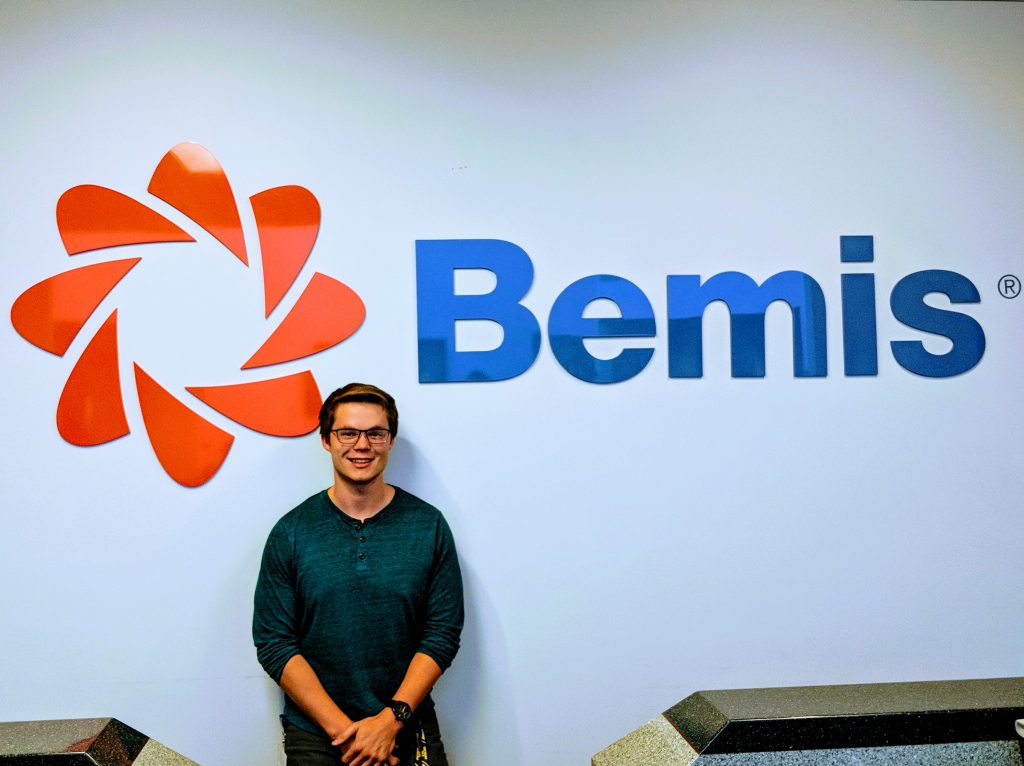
column 1009, row 286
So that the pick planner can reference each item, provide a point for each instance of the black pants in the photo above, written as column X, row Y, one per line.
column 419, row 744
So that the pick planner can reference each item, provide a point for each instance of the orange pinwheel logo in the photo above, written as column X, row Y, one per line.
column 91, row 408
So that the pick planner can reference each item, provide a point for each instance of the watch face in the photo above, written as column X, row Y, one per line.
column 401, row 710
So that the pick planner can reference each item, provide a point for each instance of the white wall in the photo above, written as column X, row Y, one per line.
column 622, row 545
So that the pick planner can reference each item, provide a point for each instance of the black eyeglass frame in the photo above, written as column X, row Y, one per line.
column 360, row 432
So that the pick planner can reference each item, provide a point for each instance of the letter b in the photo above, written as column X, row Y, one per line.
column 438, row 308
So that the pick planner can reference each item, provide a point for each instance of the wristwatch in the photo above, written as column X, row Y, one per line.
column 401, row 710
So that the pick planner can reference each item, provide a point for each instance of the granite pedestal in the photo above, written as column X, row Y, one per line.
column 938, row 723
column 82, row 742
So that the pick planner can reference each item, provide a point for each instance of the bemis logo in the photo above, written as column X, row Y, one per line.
column 190, row 448
column 439, row 308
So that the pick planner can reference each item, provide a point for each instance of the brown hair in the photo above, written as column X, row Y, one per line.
column 358, row 392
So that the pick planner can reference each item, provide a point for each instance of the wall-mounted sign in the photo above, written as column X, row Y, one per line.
column 190, row 448
column 439, row 307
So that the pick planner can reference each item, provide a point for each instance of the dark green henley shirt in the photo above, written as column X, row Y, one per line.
column 357, row 599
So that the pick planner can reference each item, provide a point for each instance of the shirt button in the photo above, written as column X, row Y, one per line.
column 362, row 538
column 359, row 525
column 362, row 556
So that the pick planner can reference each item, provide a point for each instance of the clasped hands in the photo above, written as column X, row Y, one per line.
column 370, row 741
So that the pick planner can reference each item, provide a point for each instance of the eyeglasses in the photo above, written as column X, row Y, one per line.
column 351, row 435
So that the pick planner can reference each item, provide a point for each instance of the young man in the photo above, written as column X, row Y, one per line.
column 358, row 606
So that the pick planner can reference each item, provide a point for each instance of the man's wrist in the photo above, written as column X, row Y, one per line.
column 337, row 727
column 401, row 711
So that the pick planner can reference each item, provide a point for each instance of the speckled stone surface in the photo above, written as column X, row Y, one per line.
column 656, row 742
column 941, row 723
column 32, row 737
column 950, row 754
column 860, row 715
column 155, row 754
column 82, row 742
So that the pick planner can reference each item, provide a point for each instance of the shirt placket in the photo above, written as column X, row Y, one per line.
column 361, row 533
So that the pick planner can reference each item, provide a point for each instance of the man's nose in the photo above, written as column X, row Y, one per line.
column 359, row 439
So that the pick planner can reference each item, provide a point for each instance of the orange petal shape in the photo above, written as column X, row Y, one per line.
column 190, row 448
column 91, row 411
column 288, row 220
column 190, row 178
column 50, row 314
column 92, row 217
column 326, row 313
column 286, row 406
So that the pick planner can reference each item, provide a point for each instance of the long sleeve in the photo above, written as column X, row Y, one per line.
column 444, row 614
column 274, row 618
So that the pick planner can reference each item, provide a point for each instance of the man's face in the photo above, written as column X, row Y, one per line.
column 358, row 462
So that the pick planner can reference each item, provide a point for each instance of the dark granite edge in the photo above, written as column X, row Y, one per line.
column 849, row 715
column 710, row 720
column 875, row 730
column 46, row 759
column 118, row 744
